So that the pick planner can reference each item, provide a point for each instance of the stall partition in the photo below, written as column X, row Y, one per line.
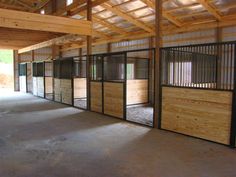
column 48, row 79
column 80, row 82
column 23, row 77
column 107, row 84
column 29, row 79
column 63, row 81
column 198, row 91
column 38, row 79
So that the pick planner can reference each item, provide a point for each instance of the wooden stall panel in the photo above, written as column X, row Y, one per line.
column 201, row 113
column 66, row 91
column 48, row 84
column 114, row 99
column 80, row 88
column 137, row 91
column 40, row 86
column 29, row 78
column 96, row 96
column 35, row 86
column 22, row 83
column 57, row 90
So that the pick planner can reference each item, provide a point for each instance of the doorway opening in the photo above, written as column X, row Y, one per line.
column 6, row 69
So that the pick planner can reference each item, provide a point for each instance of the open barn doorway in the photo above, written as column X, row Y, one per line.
column 140, row 86
column 6, row 70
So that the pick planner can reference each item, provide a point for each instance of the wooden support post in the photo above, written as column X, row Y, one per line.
column 151, row 71
column 54, row 6
column 32, row 55
column 80, row 60
column 157, row 88
column 219, row 55
column 109, row 48
column 89, row 52
column 16, row 70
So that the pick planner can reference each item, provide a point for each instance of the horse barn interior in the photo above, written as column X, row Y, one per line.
column 121, row 88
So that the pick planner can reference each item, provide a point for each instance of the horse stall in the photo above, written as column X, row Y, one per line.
column 107, row 84
column 63, row 80
column 198, row 91
column 23, row 77
column 139, row 89
column 80, row 82
column 48, row 79
column 38, row 79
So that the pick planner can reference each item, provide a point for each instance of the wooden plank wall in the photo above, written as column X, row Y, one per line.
column 96, row 96
column 40, row 86
column 35, row 86
column 137, row 91
column 80, row 87
column 48, row 85
column 196, row 112
column 114, row 99
column 57, row 90
column 66, row 91
column 22, row 80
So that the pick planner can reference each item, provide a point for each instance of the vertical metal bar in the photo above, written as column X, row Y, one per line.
column 233, row 118
column 230, row 66
column 125, row 87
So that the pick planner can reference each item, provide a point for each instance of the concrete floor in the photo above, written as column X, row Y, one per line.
column 39, row 138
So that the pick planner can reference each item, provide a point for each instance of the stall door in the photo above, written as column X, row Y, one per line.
column 107, row 86
column 22, row 77
column 114, row 85
column 96, row 90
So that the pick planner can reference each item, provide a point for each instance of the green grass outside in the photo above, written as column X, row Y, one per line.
column 6, row 56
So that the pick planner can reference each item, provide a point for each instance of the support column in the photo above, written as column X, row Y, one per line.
column 109, row 50
column 151, row 71
column 157, row 88
column 89, row 52
column 16, row 70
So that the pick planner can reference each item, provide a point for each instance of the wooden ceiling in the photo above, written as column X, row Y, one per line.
column 118, row 20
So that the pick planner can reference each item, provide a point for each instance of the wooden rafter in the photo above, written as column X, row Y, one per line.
column 129, row 18
column 165, row 14
column 210, row 9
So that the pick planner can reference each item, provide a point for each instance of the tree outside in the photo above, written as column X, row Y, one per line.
column 6, row 69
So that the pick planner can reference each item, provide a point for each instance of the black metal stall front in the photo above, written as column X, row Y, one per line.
column 63, row 80
column 198, row 84
column 107, row 84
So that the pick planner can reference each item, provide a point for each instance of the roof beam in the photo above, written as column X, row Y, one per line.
column 38, row 22
column 210, row 9
column 83, row 8
column 129, row 18
column 165, row 14
column 55, row 41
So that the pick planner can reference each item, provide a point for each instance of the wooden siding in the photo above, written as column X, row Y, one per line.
column 114, row 99
column 96, row 96
column 137, row 91
column 196, row 112
column 80, row 88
